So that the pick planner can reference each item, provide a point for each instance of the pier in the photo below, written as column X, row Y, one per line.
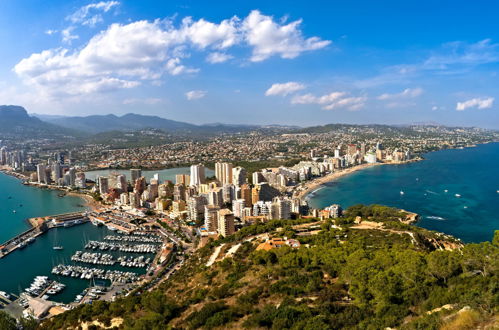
column 40, row 226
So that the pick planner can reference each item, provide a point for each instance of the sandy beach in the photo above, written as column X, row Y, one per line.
column 316, row 183
column 310, row 186
column 89, row 201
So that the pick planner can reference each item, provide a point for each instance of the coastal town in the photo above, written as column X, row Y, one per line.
column 158, row 221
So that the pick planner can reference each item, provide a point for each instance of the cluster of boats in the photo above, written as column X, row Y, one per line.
column 42, row 284
column 108, row 260
column 139, row 262
column 132, row 248
column 93, row 258
column 135, row 238
column 94, row 273
column 22, row 243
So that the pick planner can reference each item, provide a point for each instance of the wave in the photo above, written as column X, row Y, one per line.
column 431, row 192
column 434, row 217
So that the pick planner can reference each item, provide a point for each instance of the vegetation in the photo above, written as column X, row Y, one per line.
column 349, row 278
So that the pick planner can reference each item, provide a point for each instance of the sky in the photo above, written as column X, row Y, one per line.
column 255, row 62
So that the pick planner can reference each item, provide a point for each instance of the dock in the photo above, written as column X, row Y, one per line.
column 40, row 226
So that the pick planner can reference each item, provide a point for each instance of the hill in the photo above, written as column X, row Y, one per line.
column 341, row 275
column 128, row 122
column 132, row 122
column 15, row 122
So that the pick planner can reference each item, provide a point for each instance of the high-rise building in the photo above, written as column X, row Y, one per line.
column 182, row 179
column 215, row 197
column 140, row 185
column 121, row 183
column 135, row 173
column 40, row 172
column 238, row 206
column 179, row 192
column 246, row 194
column 226, row 222
column 239, row 175
column 103, row 185
column 281, row 208
column 211, row 217
column 195, row 207
column 258, row 177
column 197, row 175
column 223, row 172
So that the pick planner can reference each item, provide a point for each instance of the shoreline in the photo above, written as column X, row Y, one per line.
column 88, row 201
column 319, row 182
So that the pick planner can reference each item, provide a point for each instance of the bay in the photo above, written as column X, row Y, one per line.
column 429, row 188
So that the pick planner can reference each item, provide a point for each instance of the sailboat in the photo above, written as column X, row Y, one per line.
column 57, row 247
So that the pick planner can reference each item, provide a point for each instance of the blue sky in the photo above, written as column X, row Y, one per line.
column 259, row 62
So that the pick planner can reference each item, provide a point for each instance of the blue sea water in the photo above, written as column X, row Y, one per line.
column 472, row 173
column 18, row 269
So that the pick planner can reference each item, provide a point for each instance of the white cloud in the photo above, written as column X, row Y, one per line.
column 331, row 101
column 90, row 14
column 269, row 38
column 463, row 53
column 479, row 103
column 284, row 88
column 68, row 36
column 147, row 101
column 406, row 93
column 125, row 55
column 204, row 34
column 51, row 32
column 174, row 67
column 218, row 57
column 195, row 95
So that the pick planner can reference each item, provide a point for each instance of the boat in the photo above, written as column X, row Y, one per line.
column 14, row 211
column 446, row 190
column 4, row 295
column 457, row 195
column 401, row 192
column 56, row 243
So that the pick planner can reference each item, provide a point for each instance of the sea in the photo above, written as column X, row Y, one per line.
column 455, row 191
column 19, row 268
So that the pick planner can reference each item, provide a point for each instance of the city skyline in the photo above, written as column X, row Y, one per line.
column 254, row 63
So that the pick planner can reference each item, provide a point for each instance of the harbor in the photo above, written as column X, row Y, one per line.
column 67, row 262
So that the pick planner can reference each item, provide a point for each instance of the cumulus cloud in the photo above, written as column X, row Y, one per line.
column 218, row 57
column 284, row 88
column 90, row 14
column 331, row 101
column 406, row 93
column 125, row 55
column 269, row 38
column 479, row 103
column 195, row 95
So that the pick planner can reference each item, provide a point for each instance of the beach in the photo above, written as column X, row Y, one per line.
column 312, row 185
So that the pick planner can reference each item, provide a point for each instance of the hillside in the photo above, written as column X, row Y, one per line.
column 132, row 122
column 344, row 275
column 15, row 122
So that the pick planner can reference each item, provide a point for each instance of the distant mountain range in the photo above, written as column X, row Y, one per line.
column 132, row 122
column 15, row 121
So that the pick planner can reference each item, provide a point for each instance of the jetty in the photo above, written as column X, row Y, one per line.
column 39, row 226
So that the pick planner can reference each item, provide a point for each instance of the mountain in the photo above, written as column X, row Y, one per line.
column 129, row 122
column 15, row 122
